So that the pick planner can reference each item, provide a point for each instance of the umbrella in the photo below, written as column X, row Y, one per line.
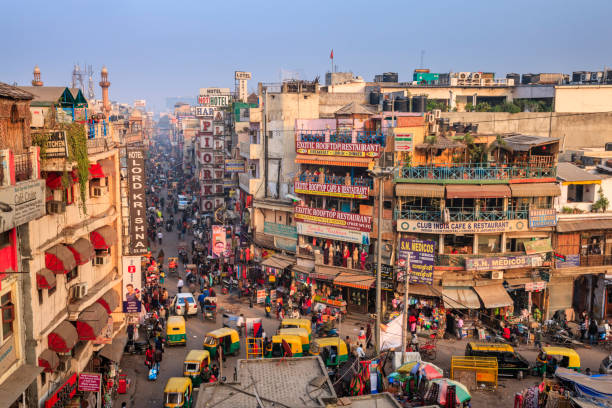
column 462, row 392
column 395, row 376
column 428, row 370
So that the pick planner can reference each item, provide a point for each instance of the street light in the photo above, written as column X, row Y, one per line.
column 380, row 174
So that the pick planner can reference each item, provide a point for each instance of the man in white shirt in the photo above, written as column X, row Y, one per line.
column 240, row 323
column 179, row 285
column 359, row 351
column 160, row 235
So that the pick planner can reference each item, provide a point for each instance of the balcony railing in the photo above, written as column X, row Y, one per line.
column 347, row 136
column 474, row 171
column 333, row 179
column 98, row 145
column 23, row 167
column 460, row 214
column 595, row 260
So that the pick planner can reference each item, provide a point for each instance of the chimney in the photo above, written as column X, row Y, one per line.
column 36, row 81
column 104, row 84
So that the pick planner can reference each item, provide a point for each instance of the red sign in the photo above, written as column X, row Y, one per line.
column 332, row 190
column 132, row 269
column 64, row 394
column 90, row 382
column 338, row 149
column 349, row 221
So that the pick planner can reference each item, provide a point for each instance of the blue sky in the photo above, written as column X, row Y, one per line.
column 155, row 49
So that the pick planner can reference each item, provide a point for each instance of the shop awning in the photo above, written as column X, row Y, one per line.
column 420, row 289
column 493, row 296
column 108, row 167
column 82, row 250
column 63, row 338
column 54, row 179
column 110, row 300
column 333, row 160
column 301, row 269
column 419, row 190
column 470, row 191
column 48, row 360
column 277, row 262
column 95, row 171
column 59, row 259
column 584, row 224
column 354, row 280
column 114, row 351
column 460, row 298
column 45, row 279
column 18, row 382
column 104, row 237
column 91, row 321
column 324, row 273
column 535, row 190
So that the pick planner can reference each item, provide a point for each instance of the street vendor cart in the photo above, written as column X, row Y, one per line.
column 209, row 309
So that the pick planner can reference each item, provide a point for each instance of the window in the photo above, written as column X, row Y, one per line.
column 5, row 239
column 68, row 195
column 51, row 291
column 72, row 274
column 40, row 296
column 8, row 315
column 43, row 378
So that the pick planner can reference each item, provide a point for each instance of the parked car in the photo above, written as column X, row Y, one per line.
column 180, row 302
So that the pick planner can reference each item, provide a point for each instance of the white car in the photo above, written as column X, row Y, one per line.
column 181, row 301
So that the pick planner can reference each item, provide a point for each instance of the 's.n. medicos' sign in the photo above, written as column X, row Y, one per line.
column 338, row 149
column 502, row 262
column 422, row 256
column 331, row 190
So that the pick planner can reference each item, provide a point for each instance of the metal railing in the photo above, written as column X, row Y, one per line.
column 474, row 171
column 23, row 167
column 98, row 145
column 460, row 214
column 342, row 136
column 333, row 179
column 595, row 260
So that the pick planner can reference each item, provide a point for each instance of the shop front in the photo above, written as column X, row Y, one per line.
column 277, row 271
column 356, row 291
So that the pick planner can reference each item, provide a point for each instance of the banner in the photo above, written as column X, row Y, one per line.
column 90, row 382
column 234, row 165
column 538, row 246
column 21, row 203
column 422, row 255
column 338, row 149
column 218, row 240
column 542, row 218
column 136, row 201
column 329, row 232
column 460, row 227
column 502, row 262
column 332, row 190
column 349, row 221
column 132, row 279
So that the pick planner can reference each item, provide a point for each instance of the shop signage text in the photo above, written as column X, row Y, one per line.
column 56, row 146
column 132, row 278
column 569, row 262
column 90, row 382
column 542, row 218
column 332, row 190
column 242, row 75
column 403, row 142
column 64, row 394
column 461, row 227
column 214, row 91
column 137, row 202
column 502, row 262
column 350, row 221
column 234, row 166
column 328, row 232
column 214, row 101
column 21, row 203
column 535, row 286
column 280, row 230
column 539, row 246
column 204, row 111
column 7, row 354
column 338, row 149
column 421, row 255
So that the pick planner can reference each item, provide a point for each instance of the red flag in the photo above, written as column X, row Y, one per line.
column 331, row 56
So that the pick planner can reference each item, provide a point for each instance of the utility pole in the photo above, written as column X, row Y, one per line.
column 405, row 313
column 265, row 135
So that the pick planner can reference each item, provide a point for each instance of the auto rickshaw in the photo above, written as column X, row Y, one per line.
column 194, row 364
column 303, row 323
column 333, row 350
column 210, row 308
column 175, row 331
column 294, row 342
column 301, row 333
column 178, row 393
column 226, row 337
column 561, row 357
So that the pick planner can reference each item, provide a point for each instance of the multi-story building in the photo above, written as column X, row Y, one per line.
column 74, row 255
column 21, row 202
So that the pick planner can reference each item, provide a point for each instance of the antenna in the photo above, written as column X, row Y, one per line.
column 90, row 88
column 422, row 58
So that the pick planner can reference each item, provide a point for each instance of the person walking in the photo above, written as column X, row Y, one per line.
column 593, row 330
column 240, row 323
column 459, row 327
column 149, row 357
column 179, row 285
column 160, row 235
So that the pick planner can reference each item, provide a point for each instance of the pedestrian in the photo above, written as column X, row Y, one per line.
column 362, row 335
column 349, row 344
column 459, row 327
column 583, row 327
column 537, row 338
column 179, row 285
column 268, row 309
column 359, row 351
column 158, row 358
column 149, row 357
column 160, row 235
column 412, row 323
column 240, row 323
column 593, row 331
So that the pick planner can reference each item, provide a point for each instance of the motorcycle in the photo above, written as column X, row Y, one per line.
column 135, row 347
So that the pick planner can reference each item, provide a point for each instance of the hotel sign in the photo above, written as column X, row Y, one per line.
column 214, row 101
column 332, row 190
column 338, row 149
column 461, row 227
column 280, row 230
column 204, row 111
column 136, row 201
column 502, row 262
column 349, row 221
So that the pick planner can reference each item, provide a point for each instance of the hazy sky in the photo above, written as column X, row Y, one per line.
column 155, row 49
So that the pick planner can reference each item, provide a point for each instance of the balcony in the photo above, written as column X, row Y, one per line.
column 251, row 185
column 460, row 214
column 250, row 150
column 595, row 260
column 335, row 179
column 23, row 167
column 99, row 145
column 477, row 173
column 341, row 136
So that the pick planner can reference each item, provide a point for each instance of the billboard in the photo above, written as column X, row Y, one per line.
column 137, row 201
column 214, row 101
column 421, row 254
column 460, row 227
column 21, row 203
column 349, row 221
column 214, row 91
column 242, row 75
column 234, row 165
column 502, row 262
column 338, row 149
column 56, row 146
column 218, row 240
column 132, row 278
column 332, row 190
column 204, row 111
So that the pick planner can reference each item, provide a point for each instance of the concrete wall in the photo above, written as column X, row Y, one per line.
column 583, row 98
column 331, row 102
column 573, row 130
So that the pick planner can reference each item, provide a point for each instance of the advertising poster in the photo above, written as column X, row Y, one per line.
column 132, row 277
column 349, row 221
column 218, row 240
column 421, row 254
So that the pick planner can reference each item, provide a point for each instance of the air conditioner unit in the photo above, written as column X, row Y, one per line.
column 476, row 75
column 98, row 191
column 102, row 259
column 435, row 128
column 56, row 207
column 497, row 274
column 464, row 75
column 78, row 291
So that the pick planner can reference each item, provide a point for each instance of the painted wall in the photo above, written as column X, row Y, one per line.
column 583, row 98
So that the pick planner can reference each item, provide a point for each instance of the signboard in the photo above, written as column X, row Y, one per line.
column 535, row 286
column 132, row 279
column 285, row 244
column 106, row 335
column 538, row 246
column 332, row 190
column 461, row 227
column 8, row 355
column 242, row 75
column 21, row 203
column 349, row 221
column 218, row 130
column 140, row 103
column 206, row 126
column 214, row 91
column 137, row 201
column 56, row 146
column 220, row 101
column 339, row 233
column 64, row 394
column 218, row 116
column 218, row 240
column 542, row 218
column 403, row 142
column 280, row 230
column 338, row 149
column 244, row 115
column 261, row 296
column 421, row 254
column 204, row 112
column 502, row 262
column 90, row 382
column 569, row 262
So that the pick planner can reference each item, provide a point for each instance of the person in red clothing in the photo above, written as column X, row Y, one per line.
column 412, row 323
column 149, row 357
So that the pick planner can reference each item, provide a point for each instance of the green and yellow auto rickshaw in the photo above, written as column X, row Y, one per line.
column 177, row 393
column 175, row 331
column 296, row 323
column 225, row 337
column 333, row 350
column 294, row 342
column 301, row 333
column 195, row 364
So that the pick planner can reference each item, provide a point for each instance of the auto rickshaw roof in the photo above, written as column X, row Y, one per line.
column 290, row 338
column 560, row 351
column 177, row 384
column 176, row 320
column 297, row 321
column 296, row 331
column 197, row 355
column 329, row 341
column 222, row 332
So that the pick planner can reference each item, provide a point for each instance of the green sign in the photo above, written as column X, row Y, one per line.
column 280, row 230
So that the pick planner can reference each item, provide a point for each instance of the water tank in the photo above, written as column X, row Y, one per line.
column 374, row 98
column 516, row 77
column 419, row 103
column 390, row 77
column 401, row 104
column 527, row 78
column 387, row 105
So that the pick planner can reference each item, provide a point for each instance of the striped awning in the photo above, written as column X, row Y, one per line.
column 333, row 160
column 354, row 280
column 535, row 190
column 45, row 279
column 420, row 190
column 470, row 191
